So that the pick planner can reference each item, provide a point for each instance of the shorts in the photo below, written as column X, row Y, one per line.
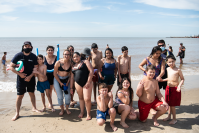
column 24, row 89
column 122, row 76
column 181, row 54
column 50, row 78
column 115, row 105
column 109, row 79
column 42, row 86
column 95, row 76
column 4, row 62
column 172, row 97
column 102, row 115
column 144, row 108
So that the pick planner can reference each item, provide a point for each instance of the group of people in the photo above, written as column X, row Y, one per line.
column 82, row 72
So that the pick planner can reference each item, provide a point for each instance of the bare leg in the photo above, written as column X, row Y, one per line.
column 160, row 111
column 50, row 92
column 32, row 97
column 62, row 110
column 100, row 122
column 181, row 61
column 94, row 91
column 49, row 99
column 112, row 113
column 174, row 115
column 81, row 100
column 72, row 103
column 169, row 114
column 43, row 102
column 87, row 99
column 124, row 110
column 110, row 88
column 18, row 105
column 67, row 109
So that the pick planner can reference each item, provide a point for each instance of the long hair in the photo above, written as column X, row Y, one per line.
column 154, row 50
column 110, row 51
column 129, row 88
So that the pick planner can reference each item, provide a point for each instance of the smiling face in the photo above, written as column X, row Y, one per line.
column 108, row 54
column 39, row 60
column 66, row 55
column 76, row 58
column 171, row 62
column 71, row 49
column 150, row 73
column 157, row 54
column 50, row 51
column 125, row 84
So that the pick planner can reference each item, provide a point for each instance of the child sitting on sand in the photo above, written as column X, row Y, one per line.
column 173, row 89
column 43, row 83
column 104, row 106
column 124, row 65
column 146, row 90
column 124, row 101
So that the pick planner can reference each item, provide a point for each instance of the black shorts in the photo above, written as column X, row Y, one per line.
column 163, row 84
column 122, row 76
column 115, row 105
column 181, row 54
column 50, row 78
column 24, row 89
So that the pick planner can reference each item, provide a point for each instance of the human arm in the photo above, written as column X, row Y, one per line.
column 118, row 68
column 162, row 71
column 142, row 64
column 41, row 74
column 129, row 68
column 182, row 80
column 71, row 82
column 140, row 88
column 99, row 69
column 124, row 97
column 91, row 71
column 101, row 103
column 28, row 78
column 12, row 68
column 110, row 103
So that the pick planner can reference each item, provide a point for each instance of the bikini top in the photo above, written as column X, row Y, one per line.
column 49, row 67
column 158, row 67
column 117, row 100
column 61, row 69
column 108, row 68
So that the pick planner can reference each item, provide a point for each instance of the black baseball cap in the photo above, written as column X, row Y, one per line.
column 25, row 43
column 87, row 52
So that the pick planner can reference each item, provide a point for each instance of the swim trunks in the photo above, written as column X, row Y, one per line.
column 4, row 62
column 102, row 115
column 42, row 86
column 122, row 76
column 144, row 108
column 172, row 97
column 95, row 76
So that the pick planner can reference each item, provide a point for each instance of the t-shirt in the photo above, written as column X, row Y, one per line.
column 182, row 52
column 28, row 62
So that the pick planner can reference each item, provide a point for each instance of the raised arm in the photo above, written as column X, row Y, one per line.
column 101, row 103
column 140, row 88
column 142, row 64
column 124, row 97
column 110, row 103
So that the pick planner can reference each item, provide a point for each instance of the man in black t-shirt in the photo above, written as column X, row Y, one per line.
column 25, row 79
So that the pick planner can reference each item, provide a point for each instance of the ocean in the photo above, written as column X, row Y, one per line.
column 138, row 48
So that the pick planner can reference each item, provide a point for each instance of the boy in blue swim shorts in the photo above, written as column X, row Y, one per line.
column 3, row 60
column 43, row 83
column 105, row 106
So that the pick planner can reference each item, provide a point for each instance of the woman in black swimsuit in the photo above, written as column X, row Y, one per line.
column 49, row 61
column 82, row 73
column 62, row 71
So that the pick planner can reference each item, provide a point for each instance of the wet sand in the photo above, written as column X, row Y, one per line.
column 187, row 115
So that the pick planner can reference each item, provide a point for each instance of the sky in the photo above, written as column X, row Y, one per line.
column 99, row 18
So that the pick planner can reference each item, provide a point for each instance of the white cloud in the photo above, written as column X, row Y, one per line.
column 174, row 4
column 53, row 6
column 8, row 18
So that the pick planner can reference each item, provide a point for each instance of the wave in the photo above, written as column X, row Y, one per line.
column 8, row 86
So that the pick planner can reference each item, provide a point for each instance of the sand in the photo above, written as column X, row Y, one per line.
column 31, row 122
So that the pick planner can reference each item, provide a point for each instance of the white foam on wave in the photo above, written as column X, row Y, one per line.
column 137, row 77
column 8, row 86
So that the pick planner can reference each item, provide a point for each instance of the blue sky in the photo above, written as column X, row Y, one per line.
column 99, row 18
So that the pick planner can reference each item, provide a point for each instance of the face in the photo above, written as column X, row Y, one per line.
column 76, row 58
column 108, row 54
column 95, row 50
column 161, row 44
column 66, row 55
column 71, row 49
column 27, row 46
column 150, row 73
column 125, row 52
column 157, row 54
column 39, row 60
column 50, row 51
column 103, row 91
column 125, row 84
column 171, row 62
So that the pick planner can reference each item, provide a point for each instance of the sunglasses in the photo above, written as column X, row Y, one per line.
column 161, row 45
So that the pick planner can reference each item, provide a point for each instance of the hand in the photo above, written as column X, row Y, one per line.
column 102, row 96
column 159, row 78
column 166, row 105
column 110, row 94
column 132, row 111
column 61, row 84
column 178, row 89
column 126, row 94
column 71, row 91
column 102, row 78
column 87, row 85
column 141, row 84
column 36, row 71
column 27, row 79
column 22, row 75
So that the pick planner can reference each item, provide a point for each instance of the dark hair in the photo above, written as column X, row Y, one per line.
column 94, row 45
column 124, row 48
column 76, row 53
column 68, row 51
column 110, row 51
column 171, row 48
column 40, row 56
column 102, row 85
column 4, row 52
column 150, row 67
column 154, row 50
column 130, row 89
column 170, row 57
column 70, row 47
column 160, row 41
column 181, row 43
column 50, row 47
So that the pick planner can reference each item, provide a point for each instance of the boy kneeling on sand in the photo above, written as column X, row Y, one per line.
column 105, row 106
column 146, row 90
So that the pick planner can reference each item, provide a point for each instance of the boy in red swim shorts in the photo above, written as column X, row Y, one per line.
column 146, row 90
column 173, row 89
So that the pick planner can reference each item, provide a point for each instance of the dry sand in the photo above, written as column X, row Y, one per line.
column 31, row 122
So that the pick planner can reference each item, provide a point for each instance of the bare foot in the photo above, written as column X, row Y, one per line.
column 173, row 122
column 156, row 123
column 52, row 109
column 61, row 112
column 15, row 117
column 114, row 128
column 42, row 110
column 68, row 112
column 166, row 119
column 124, row 124
column 36, row 110
column 88, row 118
column 81, row 115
